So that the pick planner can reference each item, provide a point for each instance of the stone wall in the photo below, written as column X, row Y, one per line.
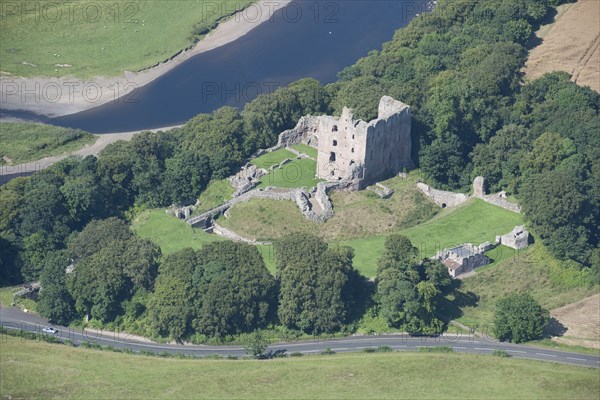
column 305, row 131
column 222, row 231
column 301, row 197
column 246, row 179
column 498, row 199
column 451, row 199
column 442, row 198
column 500, row 202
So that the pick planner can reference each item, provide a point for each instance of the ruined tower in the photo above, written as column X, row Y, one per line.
column 352, row 149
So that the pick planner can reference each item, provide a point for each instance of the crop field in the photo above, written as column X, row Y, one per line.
column 83, row 373
column 86, row 39
column 23, row 142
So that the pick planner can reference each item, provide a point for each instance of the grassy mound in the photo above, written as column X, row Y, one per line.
column 36, row 369
column 172, row 234
column 83, row 39
column 474, row 222
column 169, row 233
column 357, row 214
column 24, row 142
column 533, row 271
column 216, row 193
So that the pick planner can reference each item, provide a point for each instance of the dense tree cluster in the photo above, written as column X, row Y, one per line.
column 409, row 291
column 223, row 289
column 519, row 318
column 318, row 285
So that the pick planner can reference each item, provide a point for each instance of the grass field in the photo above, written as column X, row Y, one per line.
column 533, row 271
column 170, row 233
column 216, row 193
column 40, row 370
column 308, row 150
column 474, row 222
column 23, row 142
column 266, row 220
column 6, row 298
column 357, row 214
column 86, row 39
column 267, row 160
column 295, row 174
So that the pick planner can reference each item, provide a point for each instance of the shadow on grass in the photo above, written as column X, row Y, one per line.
column 452, row 308
column 554, row 328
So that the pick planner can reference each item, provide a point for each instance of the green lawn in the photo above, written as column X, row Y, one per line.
column 170, row 233
column 33, row 369
column 216, row 193
column 6, row 298
column 306, row 149
column 23, row 142
column 474, row 222
column 6, row 295
column 357, row 215
column 295, row 174
column 533, row 271
column 105, row 38
column 266, row 220
column 267, row 160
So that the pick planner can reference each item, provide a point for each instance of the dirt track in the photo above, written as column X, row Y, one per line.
column 570, row 44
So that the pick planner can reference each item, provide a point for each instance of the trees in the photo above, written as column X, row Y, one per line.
column 223, row 289
column 409, row 292
column 173, row 304
column 55, row 302
column 111, row 264
column 316, row 284
column 237, row 291
column 557, row 204
column 256, row 345
column 399, row 253
column 270, row 114
column 519, row 318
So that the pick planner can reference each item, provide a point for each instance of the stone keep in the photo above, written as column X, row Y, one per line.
column 351, row 149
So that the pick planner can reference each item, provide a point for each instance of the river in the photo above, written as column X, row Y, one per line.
column 314, row 39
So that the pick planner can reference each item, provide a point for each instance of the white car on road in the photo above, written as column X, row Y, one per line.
column 49, row 329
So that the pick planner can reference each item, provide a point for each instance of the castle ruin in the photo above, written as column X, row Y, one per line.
column 355, row 150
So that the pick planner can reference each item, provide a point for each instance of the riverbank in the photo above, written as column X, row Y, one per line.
column 54, row 97
column 9, row 172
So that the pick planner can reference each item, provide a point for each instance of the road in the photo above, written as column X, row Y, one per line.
column 12, row 318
